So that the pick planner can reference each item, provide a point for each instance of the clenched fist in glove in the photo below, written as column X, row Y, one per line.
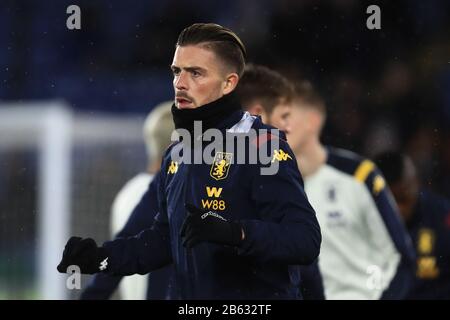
column 85, row 254
column 207, row 226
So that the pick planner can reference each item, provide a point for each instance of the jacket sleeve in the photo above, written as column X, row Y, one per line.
column 311, row 284
column 149, row 250
column 287, row 231
column 388, row 231
column 103, row 285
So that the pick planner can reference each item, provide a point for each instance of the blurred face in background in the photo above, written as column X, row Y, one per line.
column 305, row 124
column 199, row 77
column 279, row 117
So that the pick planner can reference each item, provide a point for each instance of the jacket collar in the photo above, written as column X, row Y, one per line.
column 222, row 113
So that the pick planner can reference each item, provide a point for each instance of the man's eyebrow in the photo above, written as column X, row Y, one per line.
column 189, row 69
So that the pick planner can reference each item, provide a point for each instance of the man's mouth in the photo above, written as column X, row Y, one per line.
column 183, row 102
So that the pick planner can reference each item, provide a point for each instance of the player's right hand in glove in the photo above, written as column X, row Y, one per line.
column 203, row 225
column 85, row 254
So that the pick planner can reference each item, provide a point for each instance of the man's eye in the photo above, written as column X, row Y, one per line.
column 195, row 73
column 175, row 72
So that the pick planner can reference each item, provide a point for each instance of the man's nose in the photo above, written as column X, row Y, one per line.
column 181, row 81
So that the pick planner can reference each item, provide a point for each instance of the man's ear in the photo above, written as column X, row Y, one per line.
column 230, row 83
column 315, row 120
column 255, row 109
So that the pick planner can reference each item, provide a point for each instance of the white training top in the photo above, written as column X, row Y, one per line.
column 358, row 257
column 131, row 287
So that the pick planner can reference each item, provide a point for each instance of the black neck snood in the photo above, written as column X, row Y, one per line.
column 212, row 115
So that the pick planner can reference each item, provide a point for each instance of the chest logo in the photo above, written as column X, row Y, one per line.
column 332, row 194
column 173, row 167
column 280, row 155
column 213, row 192
column 221, row 165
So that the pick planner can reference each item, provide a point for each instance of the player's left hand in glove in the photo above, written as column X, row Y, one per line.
column 85, row 254
column 207, row 226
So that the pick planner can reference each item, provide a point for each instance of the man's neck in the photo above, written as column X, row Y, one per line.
column 311, row 157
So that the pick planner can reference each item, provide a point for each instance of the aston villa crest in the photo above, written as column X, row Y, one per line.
column 221, row 165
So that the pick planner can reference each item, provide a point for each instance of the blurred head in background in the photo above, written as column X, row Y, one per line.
column 307, row 117
column 401, row 175
column 157, row 131
column 265, row 92
column 207, row 64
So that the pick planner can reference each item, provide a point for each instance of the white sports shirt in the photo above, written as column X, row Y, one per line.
column 131, row 287
column 359, row 254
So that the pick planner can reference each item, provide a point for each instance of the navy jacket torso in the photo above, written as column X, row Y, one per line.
column 280, row 226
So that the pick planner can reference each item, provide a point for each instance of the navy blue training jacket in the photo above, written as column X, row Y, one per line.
column 430, row 232
column 103, row 285
column 280, row 226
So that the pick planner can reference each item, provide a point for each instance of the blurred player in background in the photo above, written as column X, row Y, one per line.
column 128, row 220
column 427, row 217
column 265, row 92
column 366, row 252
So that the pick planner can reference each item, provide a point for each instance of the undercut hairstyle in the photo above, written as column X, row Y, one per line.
column 305, row 92
column 265, row 86
column 222, row 41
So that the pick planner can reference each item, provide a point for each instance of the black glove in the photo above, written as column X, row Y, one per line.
column 85, row 254
column 207, row 226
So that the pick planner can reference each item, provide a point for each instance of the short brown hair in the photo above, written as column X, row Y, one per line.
column 222, row 41
column 305, row 92
column 263, row 85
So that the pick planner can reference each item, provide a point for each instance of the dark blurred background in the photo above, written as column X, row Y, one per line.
column 385, row 89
